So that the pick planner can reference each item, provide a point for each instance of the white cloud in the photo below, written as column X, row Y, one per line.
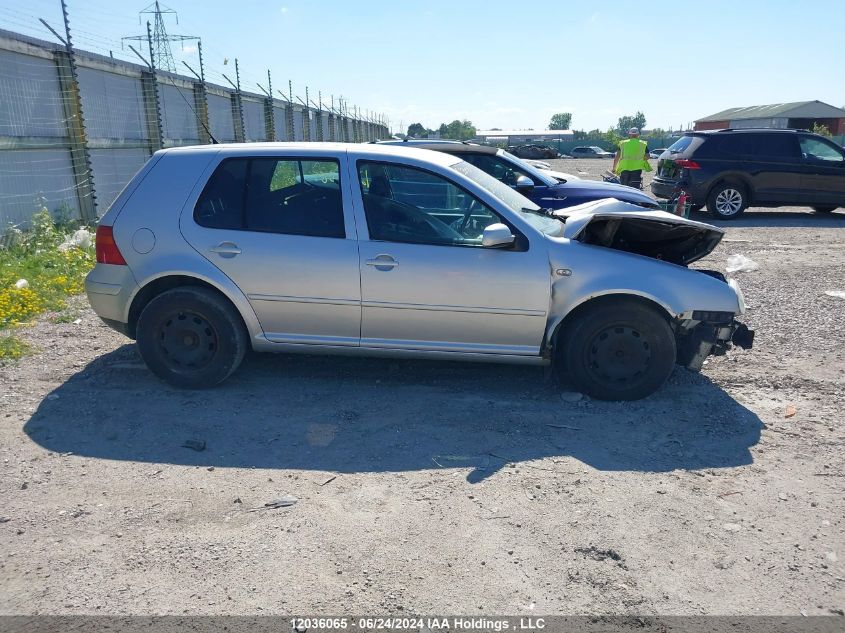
column 284, row 10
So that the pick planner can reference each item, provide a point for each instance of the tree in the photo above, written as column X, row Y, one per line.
column 612, row 138
column 579, row 135
column 625, row 123
column 560, row 121
column 658, row 132
column 417, row 130
column 820, row 128
column 457, row 130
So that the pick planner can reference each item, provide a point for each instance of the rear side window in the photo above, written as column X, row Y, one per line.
column 772, row 145
column 221, row 204
column 755, row 145
column 274, row 195
column 496, row 167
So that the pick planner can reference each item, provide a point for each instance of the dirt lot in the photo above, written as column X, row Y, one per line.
column 435, row 487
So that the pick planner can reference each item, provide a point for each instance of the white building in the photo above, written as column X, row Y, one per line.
column 518, row 137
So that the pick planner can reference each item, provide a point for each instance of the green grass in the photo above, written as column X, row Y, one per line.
column 52, row 272
column 11, row 347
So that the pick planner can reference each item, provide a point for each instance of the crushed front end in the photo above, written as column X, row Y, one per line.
column 700, row 333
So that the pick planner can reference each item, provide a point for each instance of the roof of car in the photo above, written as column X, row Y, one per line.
column 450, row 147
column 756, row 130
column 306, row 148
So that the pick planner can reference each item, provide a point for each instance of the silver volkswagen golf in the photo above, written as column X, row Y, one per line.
column 323, row 248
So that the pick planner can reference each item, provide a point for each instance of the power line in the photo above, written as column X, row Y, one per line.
column 160, row 38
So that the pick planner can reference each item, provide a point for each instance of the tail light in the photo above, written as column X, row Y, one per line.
column 684, row 163
column 107, row 250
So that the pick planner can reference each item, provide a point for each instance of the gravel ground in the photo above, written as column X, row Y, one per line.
column 439, row 487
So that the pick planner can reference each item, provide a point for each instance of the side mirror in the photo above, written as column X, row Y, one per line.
column 524, row 182
column 497, row 235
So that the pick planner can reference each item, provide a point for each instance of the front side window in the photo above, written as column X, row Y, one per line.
column 274, row 195
column 815, row 150
column 407, row 204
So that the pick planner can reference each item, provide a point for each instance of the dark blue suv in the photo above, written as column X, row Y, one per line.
column 729, row 170
column 531, row 182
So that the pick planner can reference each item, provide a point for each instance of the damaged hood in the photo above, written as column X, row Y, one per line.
column 628, row 227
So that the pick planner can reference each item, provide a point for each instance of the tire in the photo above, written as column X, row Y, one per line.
column 824, row 209
column 191, row 337
column 618, row 350
column 727, row 201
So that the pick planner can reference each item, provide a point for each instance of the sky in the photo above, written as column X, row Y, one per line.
column 508, row 65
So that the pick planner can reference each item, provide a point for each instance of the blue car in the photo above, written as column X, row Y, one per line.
column 539, row 187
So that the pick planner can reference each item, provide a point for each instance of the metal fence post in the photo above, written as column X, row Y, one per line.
column 306, row 119
column 201, row 101
column 238, row 107
column 269, row 112
column 72, row 105
column 289, row 113
column 152, row 102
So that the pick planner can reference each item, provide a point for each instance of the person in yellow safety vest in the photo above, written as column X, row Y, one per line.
column 631, row 159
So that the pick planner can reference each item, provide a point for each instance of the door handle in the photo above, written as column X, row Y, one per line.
column 383, row 262
column 226, row 249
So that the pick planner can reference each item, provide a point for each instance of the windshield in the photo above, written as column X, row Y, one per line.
column 680, row 145
column 514, row 200
column 538, row 174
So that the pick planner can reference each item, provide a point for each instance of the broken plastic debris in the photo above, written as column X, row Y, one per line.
column 741, row 264
column 196, row 445
column 281, row 502
column 78, row 239
column 790, row 411
column 839, row 294
column 20, row 284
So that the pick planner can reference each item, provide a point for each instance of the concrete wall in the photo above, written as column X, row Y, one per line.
column 122, row 118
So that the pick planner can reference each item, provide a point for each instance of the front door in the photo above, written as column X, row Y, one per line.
column 277, row 227
column 823, row 172
column 426, row 281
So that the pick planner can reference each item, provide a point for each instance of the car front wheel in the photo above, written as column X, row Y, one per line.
column 618, row 350
column 727, row 201
column 191, row 337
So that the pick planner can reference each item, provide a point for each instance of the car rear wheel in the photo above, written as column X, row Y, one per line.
column 824, row 209
column 191, row 337
column 618, row 350
column 727, row 201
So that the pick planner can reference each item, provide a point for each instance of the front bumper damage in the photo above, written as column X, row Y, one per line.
column 696, row 340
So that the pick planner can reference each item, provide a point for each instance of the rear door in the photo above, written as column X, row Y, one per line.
column 823, row 171
column 282, row 228
column 773, row 166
